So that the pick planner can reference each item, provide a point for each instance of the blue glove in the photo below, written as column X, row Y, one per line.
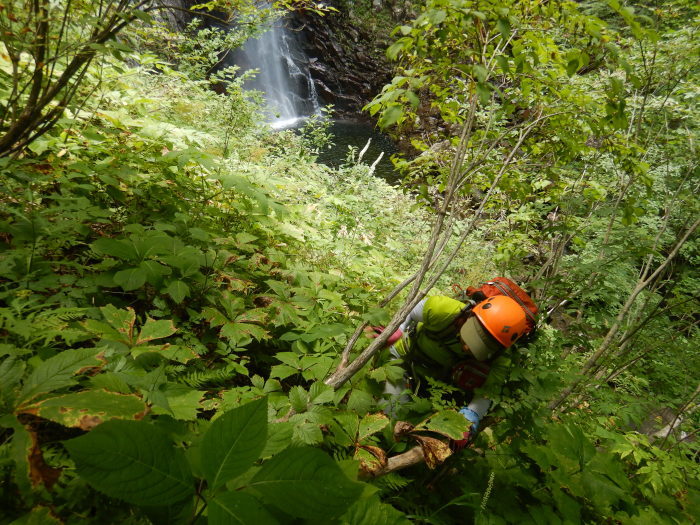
column 472, row 416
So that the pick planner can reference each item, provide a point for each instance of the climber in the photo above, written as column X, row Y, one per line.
column 454, row 342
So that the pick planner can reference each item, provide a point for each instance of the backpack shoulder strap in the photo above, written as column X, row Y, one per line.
column 508, row 291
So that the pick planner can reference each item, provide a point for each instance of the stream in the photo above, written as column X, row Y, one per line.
column 346, row 134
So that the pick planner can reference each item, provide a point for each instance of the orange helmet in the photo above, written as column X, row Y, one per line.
column 502, row 317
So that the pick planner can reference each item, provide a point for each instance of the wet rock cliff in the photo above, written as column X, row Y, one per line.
column 346, row 60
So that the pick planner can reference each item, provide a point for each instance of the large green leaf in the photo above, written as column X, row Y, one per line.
column 133, row 461
column 178, row 514
column 183, row 402
column 390, row 116
column 298, row 398
column 121, row 249
column 11, row 371
column 131, row 278
column 120, row 320
column 568, row 441
column 57, row 372
column 307, row 433
column 234, row 442
column 279, row 436
column 178, row 290
column 307, row 483
column 243, row 333
column 371, row 511
column 320, row 393
column 371, row 424
column 238, row 508
column 90, row 408
column 448, row 423
column 344, row 428
column 18, row 451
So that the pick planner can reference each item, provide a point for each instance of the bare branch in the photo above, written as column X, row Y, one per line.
column 607, row 341
column 409, row 458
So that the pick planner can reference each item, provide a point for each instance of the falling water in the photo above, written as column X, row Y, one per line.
column 283, row 75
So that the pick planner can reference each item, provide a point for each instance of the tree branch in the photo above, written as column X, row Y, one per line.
column 607, row 341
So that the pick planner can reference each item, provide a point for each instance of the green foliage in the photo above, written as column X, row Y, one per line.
column 233, row 442
column 138, row 463
column 132, row 461
column 306, row 483
column 176, row 283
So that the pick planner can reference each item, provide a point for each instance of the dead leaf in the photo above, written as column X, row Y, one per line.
column 401, row 429
column 435, row 451
column 39, row 471
column 372, row 459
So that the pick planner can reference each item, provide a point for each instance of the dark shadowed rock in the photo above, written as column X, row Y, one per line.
column 346, row 62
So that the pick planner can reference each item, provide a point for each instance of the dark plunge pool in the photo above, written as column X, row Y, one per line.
column 348, row 134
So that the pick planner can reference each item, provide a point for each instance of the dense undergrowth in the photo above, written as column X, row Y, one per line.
column 175, row 278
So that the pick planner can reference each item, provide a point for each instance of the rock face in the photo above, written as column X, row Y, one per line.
column 176, row 17
column 346, row 62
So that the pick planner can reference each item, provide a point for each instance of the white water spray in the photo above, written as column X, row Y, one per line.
column 283, row 76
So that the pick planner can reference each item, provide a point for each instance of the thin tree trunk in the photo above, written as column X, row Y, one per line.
column 607, row 341
column 680, row 413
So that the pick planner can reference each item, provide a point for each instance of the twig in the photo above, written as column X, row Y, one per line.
column 641, row 285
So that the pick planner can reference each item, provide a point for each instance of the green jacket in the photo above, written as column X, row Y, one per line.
column 434, row 347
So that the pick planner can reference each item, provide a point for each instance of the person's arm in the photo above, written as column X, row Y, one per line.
column 475, row 411
column 415, row 316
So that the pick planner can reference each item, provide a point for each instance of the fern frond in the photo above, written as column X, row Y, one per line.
column 33, row 326
column 174, row 370
column 391, row 482
column 207, row 378
column 62, row 314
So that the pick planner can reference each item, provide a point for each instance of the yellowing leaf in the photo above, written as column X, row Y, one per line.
column 88, row 409
column 153, row 329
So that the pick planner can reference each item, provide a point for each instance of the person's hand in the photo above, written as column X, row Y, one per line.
column 470, row 415
column 458, row 444
column 375, row 331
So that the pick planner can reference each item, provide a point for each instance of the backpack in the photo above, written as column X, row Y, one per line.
column 501, row 286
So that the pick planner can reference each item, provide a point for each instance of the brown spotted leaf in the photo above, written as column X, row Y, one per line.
column 121, row 320
column 372, row 459
column 88, row 409
column 39, row 471
column 136, row 351
column 435, row 451
column 402, row 429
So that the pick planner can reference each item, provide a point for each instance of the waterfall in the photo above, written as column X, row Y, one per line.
column 283, row 76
